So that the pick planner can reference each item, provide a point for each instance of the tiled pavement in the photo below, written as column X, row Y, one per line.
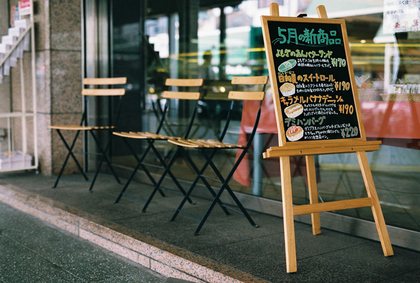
column 228, row 248
column 34, row 251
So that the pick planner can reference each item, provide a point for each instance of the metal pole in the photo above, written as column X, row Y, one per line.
column 35, row 112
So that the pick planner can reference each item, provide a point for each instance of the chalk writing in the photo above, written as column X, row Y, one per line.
column 309, row 37
column 313, row 80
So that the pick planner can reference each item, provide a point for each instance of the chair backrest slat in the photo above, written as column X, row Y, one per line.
column 102, row 87
column 256, row 80
column 246, row 95
column 104, row 81
column 181, row 95
column 238, row 96
column 103, row 92
column 175, row 94
column 184, row 82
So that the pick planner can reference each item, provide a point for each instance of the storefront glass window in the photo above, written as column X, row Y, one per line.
column 228, row 42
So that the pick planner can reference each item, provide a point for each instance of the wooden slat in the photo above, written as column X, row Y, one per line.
column 225, row 145
column 141, row 135
column 121, row 134
column 105, row 81
column 79, row 128
column 219, row 144
column 313, row 192
column 274, row 9
column 256, row 80
column 246, row 95
column 286, row 151
column 130, row 135
column 184, row 82
column 103, row 92
column 181, row 95
column 184, row 143
column 200, row 143
column 323, row 144
column 103, row 127
column 322, row 13
column 288, row 221
column 203, row 143
column 376, row 207
column 126, row 135
column 70, row 127
column 331, row 206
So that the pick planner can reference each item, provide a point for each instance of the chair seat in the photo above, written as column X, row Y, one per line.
column 80, row 128
column 204, row 143
column 143, row 135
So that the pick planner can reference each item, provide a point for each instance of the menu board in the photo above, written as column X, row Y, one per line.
column 312, row 79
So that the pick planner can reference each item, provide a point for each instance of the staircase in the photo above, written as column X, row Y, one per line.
column 16, row 136
column 13, row 45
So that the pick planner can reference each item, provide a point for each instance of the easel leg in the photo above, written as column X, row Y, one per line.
column 376, row 207
column 288, row 221
column 313, row 192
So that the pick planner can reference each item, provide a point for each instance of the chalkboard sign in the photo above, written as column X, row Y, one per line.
column 312, row 79
column 317, row 112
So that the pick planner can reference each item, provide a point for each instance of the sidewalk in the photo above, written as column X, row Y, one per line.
column 228, row 248
column 34, row 251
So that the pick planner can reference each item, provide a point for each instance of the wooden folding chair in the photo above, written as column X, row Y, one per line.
column 214, row 146
column 93, row 87
column 190, row 91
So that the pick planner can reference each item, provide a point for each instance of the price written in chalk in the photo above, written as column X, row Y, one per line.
column 342, row 86
column 349, row 132
column 346, row 109
column 338, row 62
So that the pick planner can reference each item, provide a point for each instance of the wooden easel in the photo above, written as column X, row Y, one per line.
column 310, row 148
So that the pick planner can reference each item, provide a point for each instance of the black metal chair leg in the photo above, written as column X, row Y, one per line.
column 203, row 179
column 103, row 158
column 159, row 182
column 194, row 183
column 127, row 183
column 215, row 200
column 209, row 210
column 174, row 179
column 140, row 161
column 224, row 186
column 241, row 207
column 70, row 153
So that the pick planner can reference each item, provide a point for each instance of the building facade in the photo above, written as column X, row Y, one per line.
column 148, row 41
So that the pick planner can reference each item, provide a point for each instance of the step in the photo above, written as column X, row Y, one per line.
column 4, row 48
column 17, row 32
column 1, row 69
column 10, row 40
column 24, row 24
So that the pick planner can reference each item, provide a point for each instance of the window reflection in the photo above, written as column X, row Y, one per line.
column 386, row 68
